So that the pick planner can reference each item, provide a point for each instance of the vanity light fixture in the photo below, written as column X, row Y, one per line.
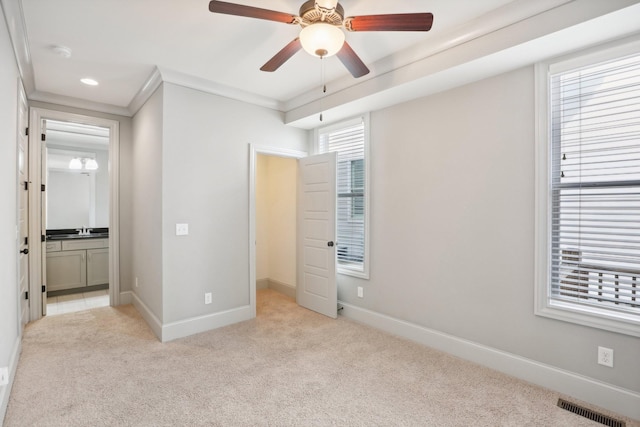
column 91, row 164
column 85, row 163
column 89, row 82
column 75, row 164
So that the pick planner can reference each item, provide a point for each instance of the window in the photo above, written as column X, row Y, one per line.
column 349, row 141
column 589, row 192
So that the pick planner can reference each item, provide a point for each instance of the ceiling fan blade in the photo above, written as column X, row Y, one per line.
column 352, row 61
column 250, row 12
column 394, row 22
column 283, row 56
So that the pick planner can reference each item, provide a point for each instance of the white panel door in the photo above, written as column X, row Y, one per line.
column 23, row 206
column 316, row 270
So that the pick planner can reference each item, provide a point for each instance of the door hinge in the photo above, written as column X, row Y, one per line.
column 44, row 288
column 26, row 295
column 26, row 131
column 43, row 137
column 26, row 185
column 42, row 187
column 43, row 238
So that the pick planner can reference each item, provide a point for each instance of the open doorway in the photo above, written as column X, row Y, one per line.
column 258, row 192
column 75, row 215
column 73, row 155
column 275, row 202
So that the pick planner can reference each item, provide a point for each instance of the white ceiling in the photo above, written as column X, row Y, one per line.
column 121, row 43
column 118, row 43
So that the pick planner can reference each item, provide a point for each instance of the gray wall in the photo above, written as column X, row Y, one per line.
column 206, row 184
column 9, row 324
column 452, row 228
column 146, row 203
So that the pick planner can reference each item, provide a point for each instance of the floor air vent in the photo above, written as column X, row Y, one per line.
column 591, row 414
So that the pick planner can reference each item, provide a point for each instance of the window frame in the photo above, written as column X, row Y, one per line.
column 544, row 305
column 341, row 268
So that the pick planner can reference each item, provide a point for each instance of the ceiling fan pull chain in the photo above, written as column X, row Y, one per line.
column 324, row 86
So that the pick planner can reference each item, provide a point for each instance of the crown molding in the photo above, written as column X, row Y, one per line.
column 69, row 101
column 569, row 26
column 207, row 86
column 14, row 17
column 148, row 88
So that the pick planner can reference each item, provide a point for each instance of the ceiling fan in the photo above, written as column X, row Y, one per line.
column 321, row 34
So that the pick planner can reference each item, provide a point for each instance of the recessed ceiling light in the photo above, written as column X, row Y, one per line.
column 89, row 81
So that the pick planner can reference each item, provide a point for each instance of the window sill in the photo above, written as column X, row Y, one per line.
column 573, row 313
column 346, row 271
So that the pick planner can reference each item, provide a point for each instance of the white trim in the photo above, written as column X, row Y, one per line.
column 35, row 221
column 84, row 104
column 148, row 316
column 361, row 118
column 5, row 391
column 126, row 297
column 613, row 398
column 195, row 325
column 14, row 16
column 254, row 150
column 207, row 86
column 543, row 306
column 145, row 92
column 281, row 287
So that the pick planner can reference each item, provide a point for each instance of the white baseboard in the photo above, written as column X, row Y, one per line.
column 151, row 319
column 126, row 297
column 262, row 284
column 619, row 400
column 195, row 325
column 5, row 391
column 283, row 288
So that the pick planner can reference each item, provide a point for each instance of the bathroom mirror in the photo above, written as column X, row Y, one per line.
column 77, row 183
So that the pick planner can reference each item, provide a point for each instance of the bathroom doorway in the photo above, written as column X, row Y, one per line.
column 75, row 216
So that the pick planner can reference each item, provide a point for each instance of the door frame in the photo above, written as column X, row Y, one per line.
column 37, row 115
column 254, row 150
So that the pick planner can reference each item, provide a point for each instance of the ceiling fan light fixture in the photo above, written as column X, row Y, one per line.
column 321, row 39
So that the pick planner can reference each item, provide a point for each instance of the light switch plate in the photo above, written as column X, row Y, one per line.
column 182, row 229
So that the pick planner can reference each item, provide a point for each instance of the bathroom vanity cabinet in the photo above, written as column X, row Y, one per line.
column 77, row 263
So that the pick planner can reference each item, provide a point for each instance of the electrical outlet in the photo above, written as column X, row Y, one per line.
column 605, row 356
column 360, row 292
column 207, row 298
column 4, row 376
column 182, row 229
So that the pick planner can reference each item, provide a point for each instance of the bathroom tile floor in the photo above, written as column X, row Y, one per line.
column 77, row 302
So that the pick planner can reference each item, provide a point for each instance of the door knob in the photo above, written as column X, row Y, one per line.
column 330, row 244
column 25, row 251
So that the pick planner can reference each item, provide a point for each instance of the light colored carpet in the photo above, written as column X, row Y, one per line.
column 288, row 367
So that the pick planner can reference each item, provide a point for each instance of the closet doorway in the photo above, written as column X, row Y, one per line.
column 272, row 223
column 276, row 224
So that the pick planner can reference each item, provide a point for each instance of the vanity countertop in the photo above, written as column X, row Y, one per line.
column 71, row 234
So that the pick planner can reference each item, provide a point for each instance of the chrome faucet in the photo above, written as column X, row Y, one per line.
column 84, row 231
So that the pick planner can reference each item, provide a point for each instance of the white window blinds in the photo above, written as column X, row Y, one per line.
column 349, row 144
column 595, row 187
